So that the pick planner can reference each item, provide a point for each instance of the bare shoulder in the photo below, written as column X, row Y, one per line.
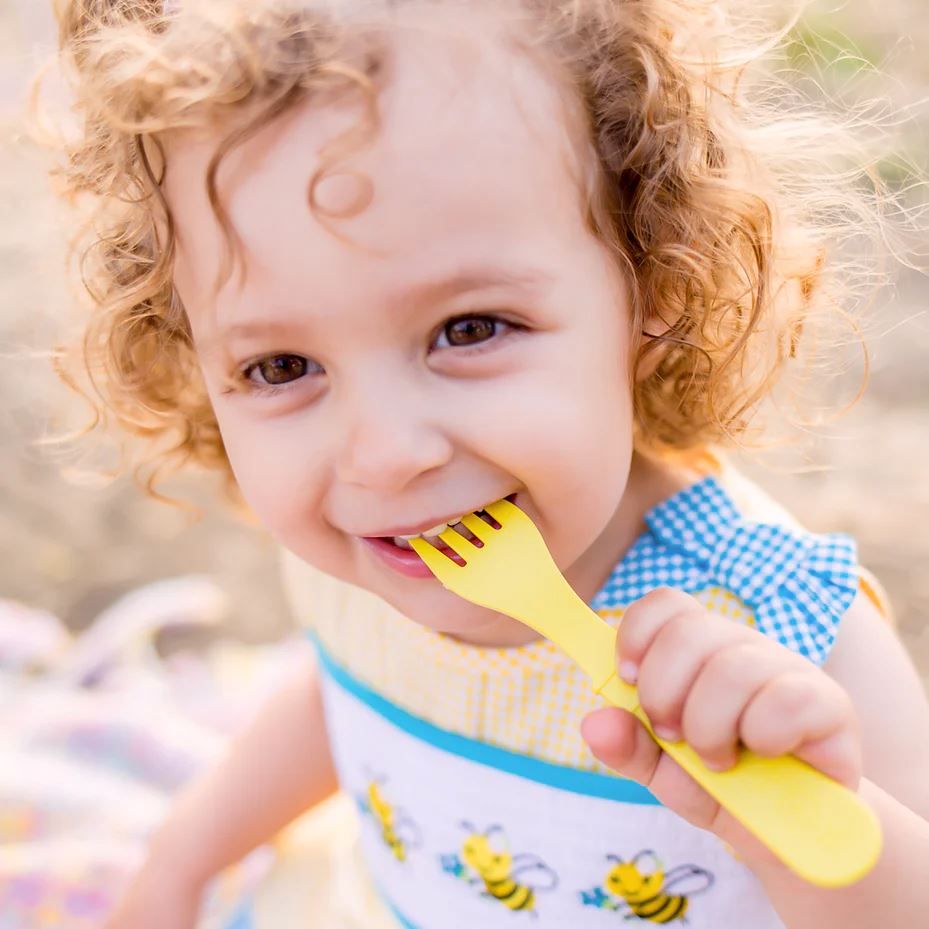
column 871, row 663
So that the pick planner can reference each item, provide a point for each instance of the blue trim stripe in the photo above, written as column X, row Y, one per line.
column 244, row 918
column 397, row 915
column 589, row 783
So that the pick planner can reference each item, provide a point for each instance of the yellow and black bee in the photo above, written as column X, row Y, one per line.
column 642, row 886
column 398, row 831
column 512, row 880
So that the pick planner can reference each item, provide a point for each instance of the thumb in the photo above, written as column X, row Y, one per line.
column 620, row 741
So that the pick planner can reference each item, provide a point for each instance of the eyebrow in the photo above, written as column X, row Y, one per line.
column 476, row 279
column 250, row 328
column 425, row 291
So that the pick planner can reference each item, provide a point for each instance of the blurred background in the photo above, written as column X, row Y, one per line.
column 71, row 546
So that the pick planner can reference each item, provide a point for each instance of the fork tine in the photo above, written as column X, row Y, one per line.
column 502, row 510
column 437, row 563
column 457, row 543
column 478, row 527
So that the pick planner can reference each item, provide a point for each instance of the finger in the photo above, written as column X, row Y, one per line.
column 839, row 756
column 621, row 742
column 806, row 714
column 673, row 661
column 642, row 621
column 724, row 688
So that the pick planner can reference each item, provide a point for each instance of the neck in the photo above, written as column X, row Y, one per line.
column 649, row 484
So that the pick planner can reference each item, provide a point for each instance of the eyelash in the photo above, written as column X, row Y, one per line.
column 243, row 382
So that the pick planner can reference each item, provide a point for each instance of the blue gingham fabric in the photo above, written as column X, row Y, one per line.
column 797, row 584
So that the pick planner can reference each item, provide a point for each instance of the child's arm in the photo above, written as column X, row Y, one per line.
column 895, row 894
column 278, row 768
column 719, row 684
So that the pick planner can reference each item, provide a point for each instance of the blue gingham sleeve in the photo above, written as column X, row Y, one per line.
column 797, row 584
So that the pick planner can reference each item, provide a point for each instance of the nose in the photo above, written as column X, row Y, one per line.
column 389, row 441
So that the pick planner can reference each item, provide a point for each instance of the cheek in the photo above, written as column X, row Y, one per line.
column 565, row 434
column 571, row 418
column 587, row 441
column 272, row 470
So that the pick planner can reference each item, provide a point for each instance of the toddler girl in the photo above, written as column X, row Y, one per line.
column 383, row 263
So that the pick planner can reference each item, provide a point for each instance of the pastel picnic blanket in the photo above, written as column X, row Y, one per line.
column 96, row 734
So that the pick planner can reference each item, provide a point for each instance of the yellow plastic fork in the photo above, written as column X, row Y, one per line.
column 817, row 827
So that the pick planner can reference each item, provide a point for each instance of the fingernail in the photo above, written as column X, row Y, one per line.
column 667, row 735
column 717, row 765
column 629, row 671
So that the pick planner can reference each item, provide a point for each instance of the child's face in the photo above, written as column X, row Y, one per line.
column 386, row 416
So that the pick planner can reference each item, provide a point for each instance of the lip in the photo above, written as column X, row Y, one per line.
column 400, row 560
column 404, row 562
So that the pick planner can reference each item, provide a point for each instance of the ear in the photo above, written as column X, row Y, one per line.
column 649, row 349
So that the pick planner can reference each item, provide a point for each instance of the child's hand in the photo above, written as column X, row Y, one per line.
column 716, row 684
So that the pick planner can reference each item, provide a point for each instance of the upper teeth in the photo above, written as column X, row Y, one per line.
column 404, row 540
column 429, row 533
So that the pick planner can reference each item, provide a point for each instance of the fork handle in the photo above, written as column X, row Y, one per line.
column 820, row 829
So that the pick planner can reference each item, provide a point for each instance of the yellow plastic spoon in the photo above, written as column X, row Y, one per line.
column 820, row 829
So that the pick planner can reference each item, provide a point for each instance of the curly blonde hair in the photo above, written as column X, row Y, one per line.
column 718, row 199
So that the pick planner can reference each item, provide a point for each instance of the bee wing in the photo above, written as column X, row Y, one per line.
column 525, row 864
column 687, row 880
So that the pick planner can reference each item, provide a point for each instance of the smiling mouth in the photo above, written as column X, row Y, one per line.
column 432, row 534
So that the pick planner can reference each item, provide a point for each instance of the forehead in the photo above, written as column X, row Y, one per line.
column 473, row 157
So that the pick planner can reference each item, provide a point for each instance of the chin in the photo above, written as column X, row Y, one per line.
column 451, row 617
column 442, row 611
column 475, row 625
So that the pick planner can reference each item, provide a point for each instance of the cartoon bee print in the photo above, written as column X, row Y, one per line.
column 398, row 832
column 486, row 861
column 643, row 889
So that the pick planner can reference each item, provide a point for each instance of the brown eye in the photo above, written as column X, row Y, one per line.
column 470, row 330
column 279, row 369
